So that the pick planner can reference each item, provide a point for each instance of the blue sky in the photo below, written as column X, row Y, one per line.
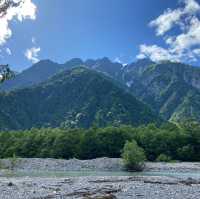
column 119, row 29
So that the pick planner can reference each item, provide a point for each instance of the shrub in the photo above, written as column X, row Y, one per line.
column 163, row 158
column 186, row 153
column 13, row 162
column 133, row 156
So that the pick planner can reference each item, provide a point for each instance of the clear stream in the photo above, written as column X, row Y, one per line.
column 100, row 173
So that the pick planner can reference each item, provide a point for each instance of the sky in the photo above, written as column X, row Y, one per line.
column 122, row 30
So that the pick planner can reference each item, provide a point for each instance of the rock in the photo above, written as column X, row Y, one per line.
column 190, row 181
column 107, row 187
column 10, row 184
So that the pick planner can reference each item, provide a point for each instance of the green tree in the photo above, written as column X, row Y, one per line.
column 163, row 158
column 133, row 156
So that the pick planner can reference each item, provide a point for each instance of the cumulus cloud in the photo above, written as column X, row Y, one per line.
column 191, row 6
column 8, row 51
column 171, row 17
column 25, row 10
column 196, row 51
column 179, row 47
column 119, row 60
column 32, row 54
column 156, row 53
column 165, row 21
column 187, row 39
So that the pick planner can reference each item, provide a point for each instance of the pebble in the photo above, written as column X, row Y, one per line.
column 94, row 187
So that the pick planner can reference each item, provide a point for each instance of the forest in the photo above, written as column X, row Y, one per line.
column 169, row 142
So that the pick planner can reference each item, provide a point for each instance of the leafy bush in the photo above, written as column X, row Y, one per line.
column 163, row 158
column 133, row 156
column 185, row 153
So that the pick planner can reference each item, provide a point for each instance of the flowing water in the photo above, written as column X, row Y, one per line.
column 100, row 173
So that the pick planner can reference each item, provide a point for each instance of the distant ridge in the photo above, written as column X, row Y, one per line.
column 45, row 69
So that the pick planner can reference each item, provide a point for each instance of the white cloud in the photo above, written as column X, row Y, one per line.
column 118, row 60
column 172, row 17
column 165, row 21
column 33, row 40
column 25, row 10
column 188, row 39
column 32, row 54
column 5, row 32
column 8, row 51
column 142, row 54
column 196, row 51
column 191, row 6
column 156, row 53
column 182, row 46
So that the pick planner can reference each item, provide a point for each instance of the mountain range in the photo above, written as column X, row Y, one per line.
column 171, row 90
column 78, row 97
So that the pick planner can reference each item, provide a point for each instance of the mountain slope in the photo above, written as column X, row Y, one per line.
column 31, row 76
column 105, row 66
column 75, row 98
column 171, row 89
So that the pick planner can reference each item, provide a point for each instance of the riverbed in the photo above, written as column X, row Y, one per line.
column 102, row 178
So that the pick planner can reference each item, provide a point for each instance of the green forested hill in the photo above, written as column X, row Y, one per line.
column 78, row 97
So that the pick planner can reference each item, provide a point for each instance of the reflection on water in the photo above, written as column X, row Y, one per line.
column 98, row 173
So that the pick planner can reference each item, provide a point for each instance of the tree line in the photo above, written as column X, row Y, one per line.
column 169, row 141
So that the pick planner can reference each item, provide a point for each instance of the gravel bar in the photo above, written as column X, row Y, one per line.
column 99, row 188
column 95, row 187
column 99, row 164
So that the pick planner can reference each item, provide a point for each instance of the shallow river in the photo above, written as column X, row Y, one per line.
column 101, row 173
